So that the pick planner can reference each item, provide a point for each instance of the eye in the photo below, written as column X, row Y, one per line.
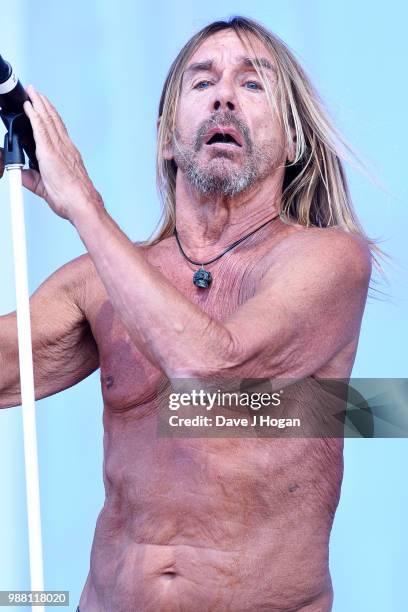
column 253, row 85
column 201, row 85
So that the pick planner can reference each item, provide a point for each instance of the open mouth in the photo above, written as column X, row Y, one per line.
column 223, row 138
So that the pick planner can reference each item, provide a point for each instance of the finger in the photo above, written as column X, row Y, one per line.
column 42, row 129
column 35, row 99
column 43, row 118
column 31, row 180
column 31, row 113
column 53, row 113
column 44, row 136
column 47, row 110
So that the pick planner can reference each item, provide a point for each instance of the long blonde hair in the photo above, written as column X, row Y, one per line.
column 315, row 189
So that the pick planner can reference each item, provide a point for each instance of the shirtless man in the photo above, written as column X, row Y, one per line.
column 193, row 524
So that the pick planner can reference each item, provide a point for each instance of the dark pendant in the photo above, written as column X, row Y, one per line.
column 202, row 278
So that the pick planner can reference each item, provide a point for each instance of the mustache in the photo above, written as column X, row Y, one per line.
column 222, row 119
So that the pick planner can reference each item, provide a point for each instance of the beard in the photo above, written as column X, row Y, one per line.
column 221, row 175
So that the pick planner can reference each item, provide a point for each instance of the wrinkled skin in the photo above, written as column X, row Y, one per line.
column 236, row 525
column 194, row 524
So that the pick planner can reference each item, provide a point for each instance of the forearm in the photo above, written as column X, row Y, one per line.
column 172, row 332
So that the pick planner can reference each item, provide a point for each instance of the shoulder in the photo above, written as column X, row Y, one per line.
column 71, row 281
column 72, row 273
column 78, row 279
column 331, row 250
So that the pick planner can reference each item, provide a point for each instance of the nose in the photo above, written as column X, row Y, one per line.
column 224, row 95
column 218, row 104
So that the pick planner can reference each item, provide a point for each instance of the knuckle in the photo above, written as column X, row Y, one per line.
column 40, row 128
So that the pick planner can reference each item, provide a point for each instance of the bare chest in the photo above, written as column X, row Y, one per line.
column 128, row 379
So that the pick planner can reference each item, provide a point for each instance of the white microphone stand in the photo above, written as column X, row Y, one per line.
column 14, row 162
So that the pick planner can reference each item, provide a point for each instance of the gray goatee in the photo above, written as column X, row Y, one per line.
column 220, row 176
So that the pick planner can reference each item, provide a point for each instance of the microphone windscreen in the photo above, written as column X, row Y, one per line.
column 5, row 70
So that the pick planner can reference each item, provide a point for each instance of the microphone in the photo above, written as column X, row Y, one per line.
column 12, row 97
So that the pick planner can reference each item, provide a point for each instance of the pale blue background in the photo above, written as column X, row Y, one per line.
column 103, row 64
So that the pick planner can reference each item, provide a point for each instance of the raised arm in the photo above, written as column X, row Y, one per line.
column 64, row 350
column 307, row 308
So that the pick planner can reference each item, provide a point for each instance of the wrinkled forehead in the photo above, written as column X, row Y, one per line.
column 226, row 49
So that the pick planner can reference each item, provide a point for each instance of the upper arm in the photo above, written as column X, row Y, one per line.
column 308, row 307
column 64, row 350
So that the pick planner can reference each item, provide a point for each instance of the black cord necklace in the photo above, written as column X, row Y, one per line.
column 203, row 278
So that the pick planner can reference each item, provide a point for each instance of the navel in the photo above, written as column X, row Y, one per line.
column 169, row 575
column 292, row 487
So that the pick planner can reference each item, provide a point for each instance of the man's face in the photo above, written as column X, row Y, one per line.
column 227, row 136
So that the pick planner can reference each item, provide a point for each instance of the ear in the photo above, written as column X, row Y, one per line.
column 168, row 147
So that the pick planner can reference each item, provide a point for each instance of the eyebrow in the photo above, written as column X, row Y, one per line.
column 252, row 62
column 198, row 66
column 258, row 62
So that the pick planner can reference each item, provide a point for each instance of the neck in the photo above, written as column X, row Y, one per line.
column 206, row 225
